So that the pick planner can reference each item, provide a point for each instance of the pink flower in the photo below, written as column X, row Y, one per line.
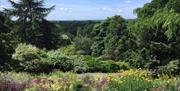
column 156, row 89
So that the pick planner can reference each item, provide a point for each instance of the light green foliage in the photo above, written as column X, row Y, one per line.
column 15, row 77
column 130, row 83
column 59, row 60
column 29, row 57
column 69, row 50
column 99, row 65
column 141, row 80
column 26, row 52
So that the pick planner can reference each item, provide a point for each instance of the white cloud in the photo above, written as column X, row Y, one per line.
column 65, row 10
column 127, row 1
column 112, row 10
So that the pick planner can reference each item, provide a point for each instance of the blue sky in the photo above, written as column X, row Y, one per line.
column 89, row 9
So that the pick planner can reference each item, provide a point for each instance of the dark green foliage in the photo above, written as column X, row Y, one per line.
column 82, row 45
column 150, row 8
column 72, row 27
column 118, row 39
column 98, row 65
column 8, row 42
column 173, row 67
column 157, row 29
column 109, row 38
column 3, row 52
column 32, row 26
column 174, row 5
column 44, row 36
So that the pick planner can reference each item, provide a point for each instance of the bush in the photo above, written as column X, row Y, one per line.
column 70, row 50
column 59, row 60
column 134, row 59
column 98, row 65
column 115, row 66
column 30, row 58
column 173, row 67
column 80, row 67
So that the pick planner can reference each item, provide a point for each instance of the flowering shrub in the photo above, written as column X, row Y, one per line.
column 136, row 73
column 131, row 83
column 12, row 81
column 141, row 80
column 130, row 80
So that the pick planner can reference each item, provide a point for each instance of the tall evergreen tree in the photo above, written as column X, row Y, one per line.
column 29, row 11
column 4, row 43
column 32, row 25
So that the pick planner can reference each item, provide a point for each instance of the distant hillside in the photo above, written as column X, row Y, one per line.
column 72, row 26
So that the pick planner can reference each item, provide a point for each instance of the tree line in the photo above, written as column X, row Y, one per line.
column 150, row 41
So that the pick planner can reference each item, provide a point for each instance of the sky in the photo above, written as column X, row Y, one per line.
column 88, row 9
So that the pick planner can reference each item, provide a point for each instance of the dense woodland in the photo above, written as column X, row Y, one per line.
column 33, row 44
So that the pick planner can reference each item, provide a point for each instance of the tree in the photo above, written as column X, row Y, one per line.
column 157, row 27
column 118, row 39
column 33, row 28
column 6, row 43
column 109, row 38
column 29, row 11
column 3, row 53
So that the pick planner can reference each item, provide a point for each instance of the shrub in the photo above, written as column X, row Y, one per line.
column 134, row 59
column 98, row 65
column 59, row 60
column 30, row 58
column 173, row 67
column 115, row 66
column 12, row 81
column 70, row 50
column 80, row 67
